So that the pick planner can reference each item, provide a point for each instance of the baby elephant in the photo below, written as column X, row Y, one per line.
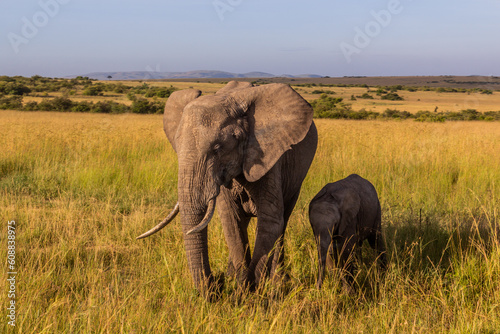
column 342, row 215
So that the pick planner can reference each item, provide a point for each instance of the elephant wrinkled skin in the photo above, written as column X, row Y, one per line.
column 342, row 215
column 248, row 149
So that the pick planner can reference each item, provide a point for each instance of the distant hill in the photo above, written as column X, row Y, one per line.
column 200, row 74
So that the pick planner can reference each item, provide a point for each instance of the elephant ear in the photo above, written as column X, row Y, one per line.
column 233, row 85
column 349, row 204
column 278, row 117
column 173, row 111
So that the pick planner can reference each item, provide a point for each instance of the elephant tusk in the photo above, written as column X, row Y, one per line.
column 208, row 216
column 162, row 224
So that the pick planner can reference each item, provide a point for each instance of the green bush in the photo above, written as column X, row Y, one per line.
column 143, row 106
column 426, row 116
column 121, row 88
column 161, row 92
column 330, row 107
column 362, row 114
column 12, row 102
column 392, row 97
column 393, row 113
column 491, row 116
column 30, row 106
column 62, row 104
column 82, row 107
column 93, row 90
column 14, row 88
column 142, row 89
column 365, row 96
column 109, row 107
column 322, row 91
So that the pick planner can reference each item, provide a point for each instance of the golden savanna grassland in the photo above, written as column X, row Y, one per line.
column 81, row 187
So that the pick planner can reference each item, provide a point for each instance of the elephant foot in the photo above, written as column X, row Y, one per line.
column 231, row 270
column 213, row 289
column 348, row 288
column 348, row 283
column 281, row 278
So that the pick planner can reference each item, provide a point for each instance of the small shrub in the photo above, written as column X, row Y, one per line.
column 392, row 97
column 321, row 91
column 143, row 106
column 62, row 104
column 82, row 107
column 93, row 90
column 121, row 88
column 394, row 113
column 109, row 107
column 491, row 115
column 14, row 88
column 427, row 116
column 330, row 107
column 13, row 102
column 31, row 106
column 131, row 96
column 363, row 114
column 470, row 114
column 365, row 96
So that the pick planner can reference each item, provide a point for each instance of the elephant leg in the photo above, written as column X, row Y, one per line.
column 234, row 224
column 347, row 262
column 279, row 256
column 270, row 227
column 332, row 260
column 266, row 245
column 376, row 241
column 325, row 253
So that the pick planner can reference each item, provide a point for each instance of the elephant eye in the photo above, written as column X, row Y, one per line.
column 217, row 148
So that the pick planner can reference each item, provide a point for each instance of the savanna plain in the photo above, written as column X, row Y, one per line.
column 82, row 186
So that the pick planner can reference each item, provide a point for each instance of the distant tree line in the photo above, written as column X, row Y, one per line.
column 24, row 86
column 334, row 107
column 13, row 89
column 139, row 106
column 395, row 88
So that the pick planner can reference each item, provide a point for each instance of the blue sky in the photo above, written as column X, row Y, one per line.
column 336, row 38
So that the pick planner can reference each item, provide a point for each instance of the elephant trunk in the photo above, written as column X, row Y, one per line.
column 197, row 206
column 196, row 245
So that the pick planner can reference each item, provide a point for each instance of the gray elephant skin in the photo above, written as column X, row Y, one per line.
column 248, row 149
column 342, row 215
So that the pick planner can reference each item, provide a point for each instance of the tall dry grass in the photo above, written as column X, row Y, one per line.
column 82, row 186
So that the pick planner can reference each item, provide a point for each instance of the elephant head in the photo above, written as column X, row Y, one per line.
column 241, row 131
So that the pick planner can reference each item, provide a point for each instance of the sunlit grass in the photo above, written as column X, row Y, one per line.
column 83, row 186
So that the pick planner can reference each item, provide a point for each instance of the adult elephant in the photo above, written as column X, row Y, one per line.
column 248, row 149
